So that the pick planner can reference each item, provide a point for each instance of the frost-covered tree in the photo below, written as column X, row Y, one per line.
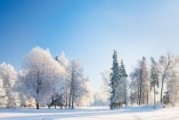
column 172, row 84
column 141, row 82
column 166, row 64
column 105, row 89
column 134, row 86
column 83, row 95
column 58, row 97
column 173, row 88
column 115, row 77
column 121, row 89
column 124, row 82
column 144, row 82
column 106, row 79
column 87, row 98
column 77, row 83
column 154, row 76
column 63, row 60
column 42, row 76
column 3, row 98
column 26, row 100
column 9, row 77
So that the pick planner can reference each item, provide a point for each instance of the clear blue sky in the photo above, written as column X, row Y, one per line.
column 89, row 30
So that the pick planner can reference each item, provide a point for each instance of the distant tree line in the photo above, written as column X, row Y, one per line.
column 46, row 81
column 146, row 81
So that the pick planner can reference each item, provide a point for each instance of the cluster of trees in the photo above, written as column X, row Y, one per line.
column 161, row 77
column 43, row 80
column 146, row 82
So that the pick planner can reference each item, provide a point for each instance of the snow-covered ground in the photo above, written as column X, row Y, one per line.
column 91, row 113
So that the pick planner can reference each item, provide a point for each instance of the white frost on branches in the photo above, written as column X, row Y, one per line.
column 42, row 75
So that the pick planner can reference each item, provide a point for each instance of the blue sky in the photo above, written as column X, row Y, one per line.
column 89, row 30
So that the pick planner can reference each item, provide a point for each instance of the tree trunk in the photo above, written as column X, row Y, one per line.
column 112, row 98
column 154, row 97
column 70, row 97
column 71, row 90
column 143, row 100
column 38, row 89
column 73, row 95
column 140, row 93
column 69, row 104
column 131, row 97
column 161, row 94
column 72, row 104
column 138, row 96
column 49, row 106
column 66, row 99
column 37, row 105
column 147, row 97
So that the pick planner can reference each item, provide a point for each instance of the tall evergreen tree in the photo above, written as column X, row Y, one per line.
column 123, row 70
column 121, row 89
column 115, row 77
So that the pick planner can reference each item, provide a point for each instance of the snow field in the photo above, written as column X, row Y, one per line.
column 91, row 113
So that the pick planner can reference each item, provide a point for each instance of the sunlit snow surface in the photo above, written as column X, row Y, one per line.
column 91, row 113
